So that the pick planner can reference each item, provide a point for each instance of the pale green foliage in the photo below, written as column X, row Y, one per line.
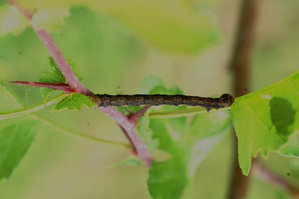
column 15, row 140
column 11, row 21
column 169, row 25
column 74, row 101
column 291, row 148
column 15, row 137
column 50, row 19
column 55, row 76
column 186, row 145
column 129, row 161
column 9, row 101
column 265, row 119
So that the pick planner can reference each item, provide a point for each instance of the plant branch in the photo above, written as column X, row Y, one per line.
column 25, row 12
column 134, row 118
column 63, row 87
column 55, row 53
column 138, row 144
column 61, row 62
column 240, row 64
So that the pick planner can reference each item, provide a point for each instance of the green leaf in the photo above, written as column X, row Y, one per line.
column 9, row 100
column 74, row 101
column 11, row 21
column 130, row 161
column 187, row 148
column 186, row 145
column 167, row 179
column 16, row 137
column 291, row 148
column 15, row 140
column 50, row 19
column 264, row 120
column 149, row 83
column 55, row 76
column 172, row 26
column 59, row 78
column 73, row 66
column 207, row 130
column 127, row 110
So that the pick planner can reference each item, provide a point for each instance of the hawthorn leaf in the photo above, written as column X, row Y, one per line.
column 74, row 69
column 191, row 31
column 172, row 26
column 291, row 148
column 187, row 150
column 129, row 161
column 264, row 119
column 15, row 141
column 206, row 130
column 55, row 76
column 147, row 85
column 50, row 19
column 11, row 20
column 9, row 100
column 127, row 110
column 186, row 145
column 74, row 101
column 56, row 71
column 167, row 179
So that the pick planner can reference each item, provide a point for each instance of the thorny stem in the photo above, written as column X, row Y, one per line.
column 137, row 115
column 64, row 87
column 54, row 51
column 61, row 62
column 240, row 64
column 138, row 144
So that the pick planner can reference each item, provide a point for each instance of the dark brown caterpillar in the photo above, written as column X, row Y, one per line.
column 223, row 101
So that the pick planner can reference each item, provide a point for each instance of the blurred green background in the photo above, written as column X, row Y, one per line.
column 115, row 47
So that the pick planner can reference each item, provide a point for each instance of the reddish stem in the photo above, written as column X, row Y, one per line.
column 61, row 62
column 54, row 51
column 131, row 133
column 138, row 145
column 25, row 12
column 64, row 87
column 134, row 118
